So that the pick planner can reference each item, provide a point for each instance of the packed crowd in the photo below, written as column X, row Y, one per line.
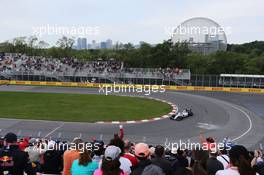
column 122, row 157
column 19, row 63
column 72, row 66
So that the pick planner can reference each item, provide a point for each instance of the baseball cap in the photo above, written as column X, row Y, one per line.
column 10, row 137
column 142, row 150
column 112, row 152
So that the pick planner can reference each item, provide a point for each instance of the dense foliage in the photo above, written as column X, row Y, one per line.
column 246, row 58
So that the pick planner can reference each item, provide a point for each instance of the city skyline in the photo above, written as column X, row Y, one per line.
column 129, row 21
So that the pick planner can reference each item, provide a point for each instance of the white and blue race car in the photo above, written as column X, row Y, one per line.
column 181, row 115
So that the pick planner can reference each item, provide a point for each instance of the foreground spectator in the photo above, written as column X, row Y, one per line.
column 145, row 166
column 160, row 161
column 239, row 162
column 125, row 163
column 98, row 151
column 52, row 160
column 129, row 153
column 257, row 162
column 179, row 161
column 213, row 165
column 110, row 162
column 200, row 160
column 84, row 165
column 13, row 161
column 71, row 155
column 223, row 158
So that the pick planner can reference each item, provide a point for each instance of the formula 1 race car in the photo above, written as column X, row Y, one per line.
column 181, row 115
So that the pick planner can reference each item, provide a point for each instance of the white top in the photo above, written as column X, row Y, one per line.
column 125, row 165
column 223, row 161
column 228, row 171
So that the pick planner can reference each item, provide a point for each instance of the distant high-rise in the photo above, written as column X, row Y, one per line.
column 103, row 45
column 84, row 43
column 94, row 45
column 81, row 43
column 109, row 43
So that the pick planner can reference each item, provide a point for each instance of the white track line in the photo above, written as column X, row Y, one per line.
column 226, row 103
column 250, row 123
column 54, row 130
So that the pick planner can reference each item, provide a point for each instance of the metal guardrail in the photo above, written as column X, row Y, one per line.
column 186, row 80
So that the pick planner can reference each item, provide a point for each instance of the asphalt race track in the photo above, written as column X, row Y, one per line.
column 235, row 115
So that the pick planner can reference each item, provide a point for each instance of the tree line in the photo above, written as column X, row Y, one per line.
column 245, row 58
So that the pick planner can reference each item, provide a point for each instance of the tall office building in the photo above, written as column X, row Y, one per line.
column 81, row 43
column 103, row 45
column 94, row 45
column 109, row 43
column 84, row 43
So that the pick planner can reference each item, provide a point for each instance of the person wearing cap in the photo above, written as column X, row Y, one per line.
column 12, row 159
column 145, row 166
column 125, row 162
column 110, row 162
column 239, row 162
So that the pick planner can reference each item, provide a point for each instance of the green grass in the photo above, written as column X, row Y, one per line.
column 78, row 107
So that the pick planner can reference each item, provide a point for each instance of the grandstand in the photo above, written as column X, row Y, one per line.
column 22, row 67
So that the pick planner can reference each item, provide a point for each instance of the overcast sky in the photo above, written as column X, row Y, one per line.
column 129, row 20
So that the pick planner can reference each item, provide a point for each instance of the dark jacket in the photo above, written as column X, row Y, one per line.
column 146, row 167
column 183, row 161
column 164, row 164
column 14, row 161
column 52, row 162
column 213, row 165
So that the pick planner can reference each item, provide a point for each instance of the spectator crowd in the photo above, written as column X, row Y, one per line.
column 122, row 157
column 19, row 63
column 36, row 65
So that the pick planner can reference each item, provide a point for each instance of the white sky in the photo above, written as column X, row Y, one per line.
column 130, row 20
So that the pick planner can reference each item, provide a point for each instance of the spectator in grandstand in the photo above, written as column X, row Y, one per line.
column 145, row 166
column 33, row 151
column 152, row 151
column 179, row 162
column 213, row 165
column 257, row 162
column 52, row 162
column 223, row 157
column 84, row 165
column 129, row 154
column 24, row 143
column 181, row 157
column 160, row 160
column 12, row 159
column 71, row 155
column 1, row 143
column 110, row 162
column 98, row 150
column 207, row 143
column 125, row 164
column 199, row 166
column 239, row 162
